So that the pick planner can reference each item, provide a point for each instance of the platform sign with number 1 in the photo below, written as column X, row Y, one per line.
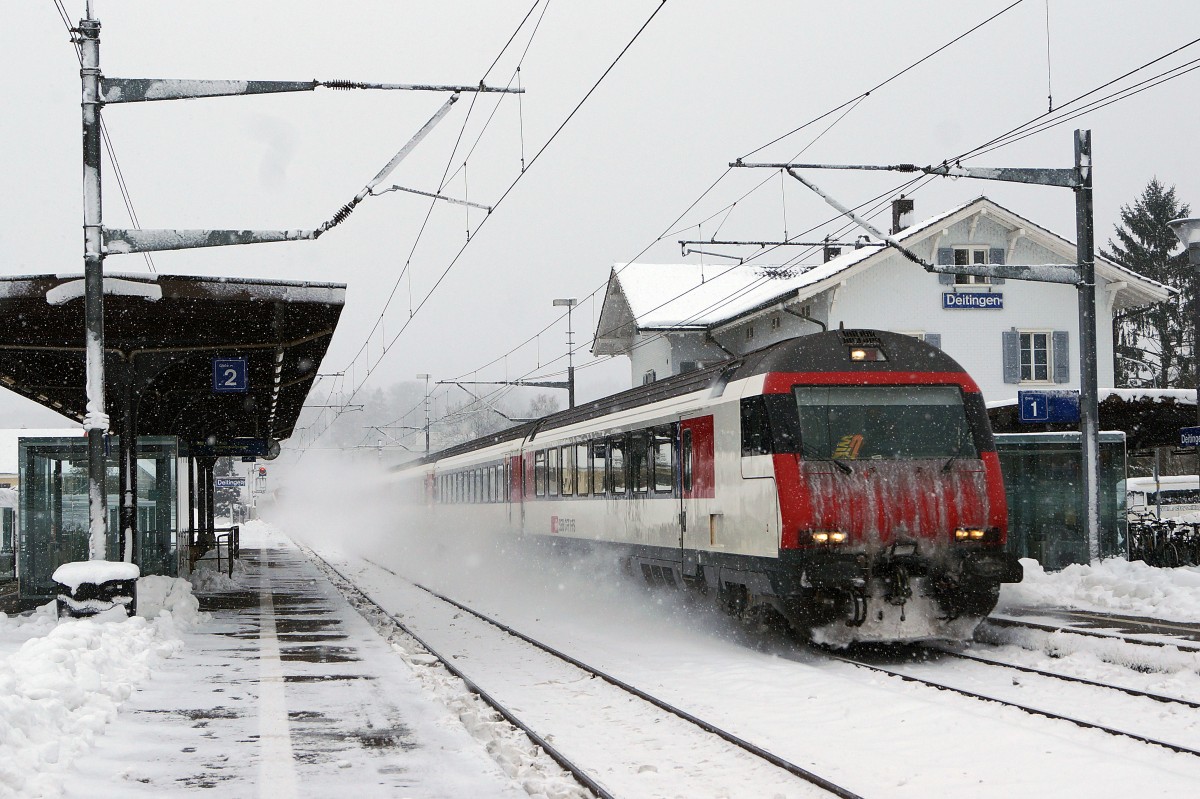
column 230, row 376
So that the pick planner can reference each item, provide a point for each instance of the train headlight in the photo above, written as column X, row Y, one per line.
column 829, row 537
column 970, row 534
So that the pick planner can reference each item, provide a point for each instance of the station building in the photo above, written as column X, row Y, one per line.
column 1009, row 335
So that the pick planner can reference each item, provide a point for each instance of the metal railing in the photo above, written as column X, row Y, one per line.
column 231, row 538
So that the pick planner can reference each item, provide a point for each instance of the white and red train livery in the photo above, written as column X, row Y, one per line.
column 847, row 480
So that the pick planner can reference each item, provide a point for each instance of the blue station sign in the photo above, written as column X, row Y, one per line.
column 975, row 300
column 1189, row 436
column 230, row 376
column 1056, row 407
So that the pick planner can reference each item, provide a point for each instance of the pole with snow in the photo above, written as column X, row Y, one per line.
column 95, row 421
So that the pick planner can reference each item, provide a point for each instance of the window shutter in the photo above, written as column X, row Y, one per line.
column 1062, row 356
column 945, row 257
column 934, row 340
column 996, row 256
column 1011, row 349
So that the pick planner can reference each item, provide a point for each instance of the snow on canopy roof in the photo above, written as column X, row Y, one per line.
column 692, row 295
column 10, row 438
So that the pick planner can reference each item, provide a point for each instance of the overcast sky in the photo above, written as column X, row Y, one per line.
column 705, row 83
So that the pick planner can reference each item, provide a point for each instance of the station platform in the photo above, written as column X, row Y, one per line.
column 286, row 692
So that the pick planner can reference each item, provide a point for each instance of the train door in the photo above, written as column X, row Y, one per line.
column 696, row 490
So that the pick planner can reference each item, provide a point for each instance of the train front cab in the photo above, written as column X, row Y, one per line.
column 891, row 504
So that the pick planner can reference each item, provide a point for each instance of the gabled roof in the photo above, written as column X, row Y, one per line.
column 692, row 296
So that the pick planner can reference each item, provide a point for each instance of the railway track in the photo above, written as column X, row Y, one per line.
column 1060, row 628
column 1071, row 678
column 1035, row 711
column 547, row 742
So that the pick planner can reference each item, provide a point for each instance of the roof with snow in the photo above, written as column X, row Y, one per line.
column 162, row 333
column 695, row 296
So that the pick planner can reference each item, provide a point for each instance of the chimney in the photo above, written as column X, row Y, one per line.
column 902, row 214
column 831, row 251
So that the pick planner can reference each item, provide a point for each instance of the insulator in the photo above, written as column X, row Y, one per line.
column 344, row 84
column 341, row 215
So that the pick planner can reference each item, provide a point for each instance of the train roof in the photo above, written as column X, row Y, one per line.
column 816, row 352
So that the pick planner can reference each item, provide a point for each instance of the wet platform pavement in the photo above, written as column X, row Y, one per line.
column 286, row 692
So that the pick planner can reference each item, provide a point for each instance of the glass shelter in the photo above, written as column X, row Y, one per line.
column 53, row 517
column 1045, row 498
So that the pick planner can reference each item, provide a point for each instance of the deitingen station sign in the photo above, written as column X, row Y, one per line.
column 974, row 300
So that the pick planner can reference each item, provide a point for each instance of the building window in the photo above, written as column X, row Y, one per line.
column 971, row 256
column 649, row 377
column 1035, row 357
column 688, row 366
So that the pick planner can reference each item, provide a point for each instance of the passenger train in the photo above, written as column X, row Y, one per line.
column 846, row 481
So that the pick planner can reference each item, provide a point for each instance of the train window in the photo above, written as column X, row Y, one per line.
column 568, row 471
column 685, row 447
column 639, row 462
column 849, row 422
column 539, row 473
column 552, row 472
column 489, row 475
column 582, row 473
column 616, row 465
column 664, row 450
column 599, row 467
column 756, row 427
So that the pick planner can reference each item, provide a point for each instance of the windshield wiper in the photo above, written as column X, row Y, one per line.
column 842, row 465
column 953, row 457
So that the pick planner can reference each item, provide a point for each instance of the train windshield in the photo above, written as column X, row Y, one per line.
column 864, row 422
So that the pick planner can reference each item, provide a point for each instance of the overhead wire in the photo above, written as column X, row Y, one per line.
column 1016, row 134
column 445, row 178
column 893, row 77
column 537, row 155
column 1024, row 130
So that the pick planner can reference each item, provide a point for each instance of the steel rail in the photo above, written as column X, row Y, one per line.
column 741, row 743
column 773, row 759
column 1026, row 708
column 1070, row 678
column 558, row 757
column 1057, row 628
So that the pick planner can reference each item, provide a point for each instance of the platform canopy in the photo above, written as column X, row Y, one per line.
column 162, row 334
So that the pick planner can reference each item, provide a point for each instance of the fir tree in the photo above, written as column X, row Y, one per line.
column 1153, row 344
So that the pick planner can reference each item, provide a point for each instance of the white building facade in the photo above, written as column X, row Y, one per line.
column 1010, row 335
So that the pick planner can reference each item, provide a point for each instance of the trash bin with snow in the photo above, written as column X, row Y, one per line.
column 88, row 587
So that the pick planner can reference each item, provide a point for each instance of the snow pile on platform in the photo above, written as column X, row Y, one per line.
column 207, row 578
column 172, row 595
column 59, row 690
column 1129, row 587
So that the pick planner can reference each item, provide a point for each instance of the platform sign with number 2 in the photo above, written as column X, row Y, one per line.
column 230, row 376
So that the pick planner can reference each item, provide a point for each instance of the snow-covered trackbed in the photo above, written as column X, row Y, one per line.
column 523, row 694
